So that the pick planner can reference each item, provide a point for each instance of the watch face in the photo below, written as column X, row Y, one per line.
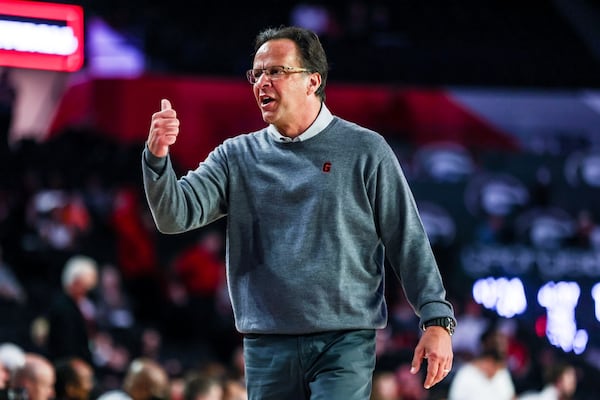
column 451, row 325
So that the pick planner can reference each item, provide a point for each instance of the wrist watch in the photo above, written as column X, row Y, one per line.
column 445, row 322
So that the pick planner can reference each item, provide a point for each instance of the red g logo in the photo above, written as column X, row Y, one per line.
column 327, row 167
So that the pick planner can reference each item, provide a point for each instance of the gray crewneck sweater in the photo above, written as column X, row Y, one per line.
column 308, row 226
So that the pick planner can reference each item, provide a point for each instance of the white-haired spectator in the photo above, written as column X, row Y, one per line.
column 12, row 357
column 11, row 289
column 80, row 273
column 71, row 313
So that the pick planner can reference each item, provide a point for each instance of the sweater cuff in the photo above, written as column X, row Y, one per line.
column 156, row 164
column 436, row 310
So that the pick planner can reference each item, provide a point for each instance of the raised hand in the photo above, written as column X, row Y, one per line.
column 164, row 129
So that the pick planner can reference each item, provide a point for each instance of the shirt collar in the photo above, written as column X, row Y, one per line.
column 323, row 119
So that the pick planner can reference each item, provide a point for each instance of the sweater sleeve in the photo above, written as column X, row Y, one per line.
column 195, row 200
column 408, row 249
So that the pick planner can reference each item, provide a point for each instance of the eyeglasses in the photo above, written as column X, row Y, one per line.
column 273, row 73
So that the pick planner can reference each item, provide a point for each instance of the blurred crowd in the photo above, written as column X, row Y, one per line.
column 95, row 303
column 422, row 43
column 84, row 273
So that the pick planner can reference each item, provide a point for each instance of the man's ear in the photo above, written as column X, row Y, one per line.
column 314, row 83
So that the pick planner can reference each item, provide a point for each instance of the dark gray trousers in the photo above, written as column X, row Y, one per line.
column 323, row 366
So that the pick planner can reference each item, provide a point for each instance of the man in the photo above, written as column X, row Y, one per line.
column 8, row 96
column 314, row 204
column 35, row 379
column 560, row 383
column 71, row 312
column 199, row 386
column 74, row 379
column 145, row 379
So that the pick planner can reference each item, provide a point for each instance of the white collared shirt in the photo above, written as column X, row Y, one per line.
column 323, row 119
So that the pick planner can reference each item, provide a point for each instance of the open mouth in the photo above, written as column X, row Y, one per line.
column 266, row 100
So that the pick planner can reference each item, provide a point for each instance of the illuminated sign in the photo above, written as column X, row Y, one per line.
column 507, row 297
column 560, row 300
column 41, row 35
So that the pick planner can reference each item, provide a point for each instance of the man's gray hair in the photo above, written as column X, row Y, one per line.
column 78, row 266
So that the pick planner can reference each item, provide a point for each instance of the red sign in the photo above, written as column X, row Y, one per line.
column 40, row 35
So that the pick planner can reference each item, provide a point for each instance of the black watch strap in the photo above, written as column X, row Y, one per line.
column 445, row 322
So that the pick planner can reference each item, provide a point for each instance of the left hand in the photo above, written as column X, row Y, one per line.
column 436, row 346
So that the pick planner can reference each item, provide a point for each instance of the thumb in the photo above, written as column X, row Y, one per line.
column 165, row 105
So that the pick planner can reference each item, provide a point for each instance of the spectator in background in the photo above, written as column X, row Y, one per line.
column 385, row 386
column 234, row 389
column 200, row 268
column 8, row 95
column 560, row 384
column 472, row 323
column 586, row 230
column 74, row 379
column 13, row 301
column 114, row 310
column 111, row 359
column 486, row 376
column 137, row 256
column 35, row 379
column 59, row 218
column 237, row 363
column 11, row 290
column 316, row 17
column 199, row 386
column 12, row 357
column 409, row 385
column 4, row 377
column 71, row 313
column 145, row 379
column 4, row 381
column 494, row 229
